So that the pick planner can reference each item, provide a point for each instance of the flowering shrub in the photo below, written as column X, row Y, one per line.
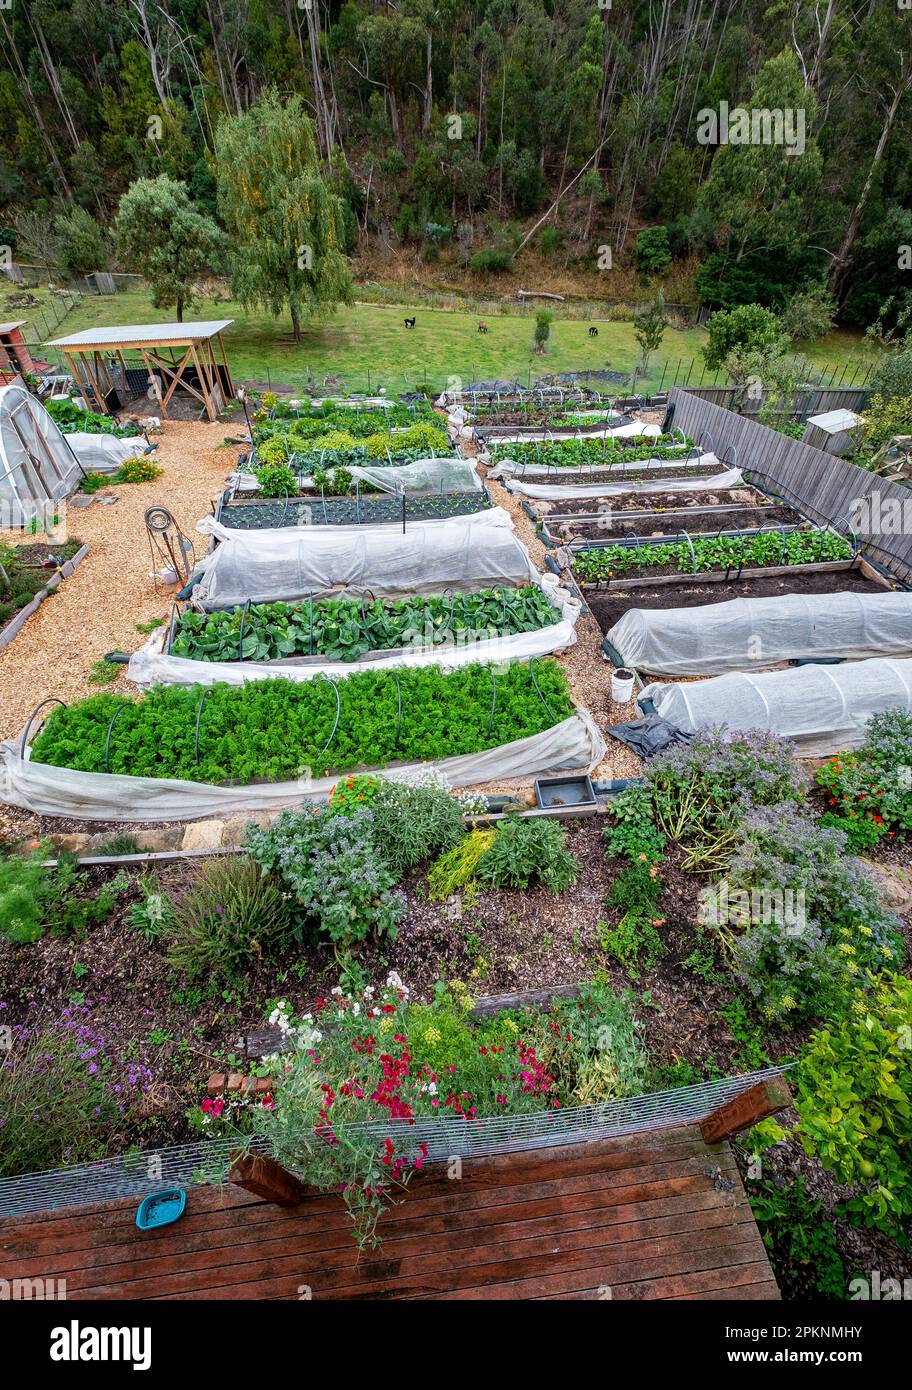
column 367, row 1066
column 803, row 923
column 63, row 1088
column 872, row 787
column 330, row 865
column 703, row 786
column 352, row 792
column 414, row 819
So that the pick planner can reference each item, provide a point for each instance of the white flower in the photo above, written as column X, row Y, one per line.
column 336, row 989
column 356, row 1008
column 432, row 1088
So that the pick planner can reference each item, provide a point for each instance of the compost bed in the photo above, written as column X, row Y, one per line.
column 609, row 605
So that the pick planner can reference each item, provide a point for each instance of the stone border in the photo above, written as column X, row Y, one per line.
column 16, row 624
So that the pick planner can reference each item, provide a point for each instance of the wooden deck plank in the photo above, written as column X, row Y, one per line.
column 652, row 1216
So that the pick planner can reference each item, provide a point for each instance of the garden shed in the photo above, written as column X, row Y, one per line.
column 112, row 366
column 835, row 432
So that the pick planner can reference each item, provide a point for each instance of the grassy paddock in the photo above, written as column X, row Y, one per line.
column 366, row 345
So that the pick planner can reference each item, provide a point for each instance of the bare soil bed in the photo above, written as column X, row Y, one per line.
column 608, row 605
column 611, row 530
column 650, row 502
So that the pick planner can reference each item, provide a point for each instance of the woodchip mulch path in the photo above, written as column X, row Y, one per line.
column 96, row 610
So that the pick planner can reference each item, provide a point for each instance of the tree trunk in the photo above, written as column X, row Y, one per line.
column 36, row 110
column 180, row 308
column 428, row 84
column 295, row 323
column 839, row 268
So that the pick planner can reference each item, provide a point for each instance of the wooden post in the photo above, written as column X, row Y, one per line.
column 267, row 1179
column 752, row 1105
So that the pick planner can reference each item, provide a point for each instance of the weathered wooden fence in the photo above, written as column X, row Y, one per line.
column 813, row 400
column 825, row 488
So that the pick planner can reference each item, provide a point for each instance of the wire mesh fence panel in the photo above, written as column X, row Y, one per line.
column 207, row 1161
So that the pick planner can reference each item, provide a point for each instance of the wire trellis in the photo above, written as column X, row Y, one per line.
column 207, row 1161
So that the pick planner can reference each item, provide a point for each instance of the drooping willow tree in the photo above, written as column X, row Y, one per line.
column 285, row 222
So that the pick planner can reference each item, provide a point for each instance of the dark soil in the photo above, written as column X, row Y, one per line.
column 608, row 605
column 650, row 502
column 633, row 473
column 611, row 529
column 495, row 942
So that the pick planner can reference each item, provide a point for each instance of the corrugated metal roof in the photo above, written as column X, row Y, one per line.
column 14, row 323
column 142, row 333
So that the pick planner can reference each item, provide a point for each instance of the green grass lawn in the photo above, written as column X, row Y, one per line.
column 366, row 346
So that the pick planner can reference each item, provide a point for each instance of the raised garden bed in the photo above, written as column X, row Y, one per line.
column 271, row 730
column 30, row 582
column 346, row 629
column 647, row 502
column 606, row 529
column 608, row 605
column 349, row 511
column 763, row 552
column 577, row 452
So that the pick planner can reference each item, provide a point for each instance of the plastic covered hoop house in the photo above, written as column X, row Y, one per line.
column 753, row 633
column 823, row 708
column 37, row 466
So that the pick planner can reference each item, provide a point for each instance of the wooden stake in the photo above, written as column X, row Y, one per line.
column 766, row 1098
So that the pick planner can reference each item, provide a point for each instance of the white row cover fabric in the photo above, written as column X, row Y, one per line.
column 636, row 430
column 544, row 492
column 751, row 633
column 572, row 745
column 823, row 708
column 510, row 468
column 151, row 665
column 423, row 475
column 104, row 453
column 36, row 464
column 472, row 552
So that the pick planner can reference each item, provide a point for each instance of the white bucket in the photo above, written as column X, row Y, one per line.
column 622, row 685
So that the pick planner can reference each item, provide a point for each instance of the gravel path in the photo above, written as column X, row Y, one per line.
column 96, row 610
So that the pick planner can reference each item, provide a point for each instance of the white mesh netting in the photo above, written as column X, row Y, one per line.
column 746, row 633
column 571, row 745
column 423, row 475
column 544, row 492
column 104, row 453
column 510, row 468
column 476, row 551
column 823, row 708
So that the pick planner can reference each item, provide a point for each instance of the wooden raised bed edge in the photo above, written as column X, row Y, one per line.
column 718, row 576
column 16, row 624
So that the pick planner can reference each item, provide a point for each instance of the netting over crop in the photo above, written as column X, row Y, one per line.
column 617, row 485
column 747, row 633
column 823, row 708
column 423, row 475
column 478, row 550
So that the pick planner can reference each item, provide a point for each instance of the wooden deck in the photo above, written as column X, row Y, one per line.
column 649, row 1216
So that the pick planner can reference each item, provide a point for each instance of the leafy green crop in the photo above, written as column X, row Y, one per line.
column 69, row 419
column 273, row 730
column 344, row 629
column 581, row 453
column 762, row 550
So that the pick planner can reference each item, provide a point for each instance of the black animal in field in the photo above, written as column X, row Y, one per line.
column 409, row 323
column 593, row 331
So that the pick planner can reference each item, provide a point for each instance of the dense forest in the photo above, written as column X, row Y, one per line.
column 460, row 129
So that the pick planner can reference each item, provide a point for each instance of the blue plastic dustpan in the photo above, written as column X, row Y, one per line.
column 161, row 1208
